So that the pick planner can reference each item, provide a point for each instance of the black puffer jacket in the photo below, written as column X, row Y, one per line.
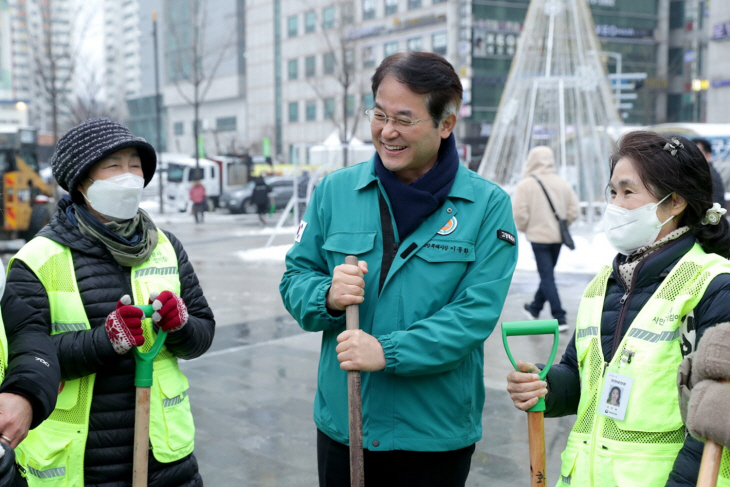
column 563, row 378
column 101, row 282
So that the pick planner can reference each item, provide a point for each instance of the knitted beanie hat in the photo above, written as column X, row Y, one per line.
column 88, row 143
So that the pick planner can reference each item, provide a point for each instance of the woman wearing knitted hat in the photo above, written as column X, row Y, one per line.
column 99, row 255
column 669, row 283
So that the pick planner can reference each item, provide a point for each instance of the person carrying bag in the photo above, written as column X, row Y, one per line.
column 533, row 218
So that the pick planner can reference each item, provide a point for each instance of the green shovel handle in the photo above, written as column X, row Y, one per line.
column 143, row 361
column 538, row 327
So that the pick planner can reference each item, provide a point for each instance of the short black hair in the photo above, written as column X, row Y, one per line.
column 424, row 73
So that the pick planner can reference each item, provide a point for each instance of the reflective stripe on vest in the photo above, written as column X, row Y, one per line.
column 58, row 444
column 640, row 450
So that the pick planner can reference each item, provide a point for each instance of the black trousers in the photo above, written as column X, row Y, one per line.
column 396, row 468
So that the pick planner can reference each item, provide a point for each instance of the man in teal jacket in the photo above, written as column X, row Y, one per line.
column 436, row 250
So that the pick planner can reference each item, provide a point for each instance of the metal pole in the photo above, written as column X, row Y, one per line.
column 160, row 173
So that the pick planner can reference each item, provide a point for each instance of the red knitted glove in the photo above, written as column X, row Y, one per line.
column 170, row 314
column 124, row 326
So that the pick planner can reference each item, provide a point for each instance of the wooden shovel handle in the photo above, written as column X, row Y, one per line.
column 141, row 437
column 536, row 432
column 354, row 400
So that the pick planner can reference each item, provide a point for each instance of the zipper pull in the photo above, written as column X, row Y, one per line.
column 624, row 298
column 627, row 355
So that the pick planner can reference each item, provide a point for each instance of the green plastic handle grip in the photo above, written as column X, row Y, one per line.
column 539, row 327
column 143, row 361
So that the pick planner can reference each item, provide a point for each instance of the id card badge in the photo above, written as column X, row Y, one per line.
column 615, row 396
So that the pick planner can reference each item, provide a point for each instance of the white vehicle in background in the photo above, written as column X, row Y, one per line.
column 180, row 173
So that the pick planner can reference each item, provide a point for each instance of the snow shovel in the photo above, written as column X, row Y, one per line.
column 143, row 382
column 535, row 426
column 354, row 401
column 710, row 466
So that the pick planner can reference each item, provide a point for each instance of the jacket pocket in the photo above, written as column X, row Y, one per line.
column 47, row 453
column 654, row 404
column 172, row 431
column 350, row 243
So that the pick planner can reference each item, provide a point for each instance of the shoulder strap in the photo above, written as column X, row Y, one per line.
column 548, row 197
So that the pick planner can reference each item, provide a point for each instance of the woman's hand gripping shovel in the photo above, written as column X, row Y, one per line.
column 354, row 400
column 536, row 428
column 143, row 382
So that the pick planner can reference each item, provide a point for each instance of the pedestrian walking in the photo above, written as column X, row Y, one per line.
column 718, row 186
column 99, row 255
column 261, row 199
column 534, row 216
column 637, row 319
column 437, row 249
column 29, row 377
column 197, row 196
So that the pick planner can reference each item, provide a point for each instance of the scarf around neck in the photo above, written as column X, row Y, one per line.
column 413, row 203
column 130, row 242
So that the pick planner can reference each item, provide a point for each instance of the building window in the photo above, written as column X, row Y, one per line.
column 368, row 57
column 347, row 13
column 349, row 59
column 329, row 108
column 414, row 44
column 310, row 22
column 293, row 25
column 676, row 14
column 350, row 104
column 328, row 18
column 178, row 128
column 438, row 41
column 391, row 7
column 294, row 111
column 225, row 124
column 311, row 109
column 368, row 9
column 676, row 60
column 390, row 48
column 329, row 63
column 414, row 4
column 310, row 66
column 293, row 69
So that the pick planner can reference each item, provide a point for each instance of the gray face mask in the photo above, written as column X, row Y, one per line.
column 629, row 230
column 116, row 198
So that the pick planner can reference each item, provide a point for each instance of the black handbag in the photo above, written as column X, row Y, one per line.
column 564, row 233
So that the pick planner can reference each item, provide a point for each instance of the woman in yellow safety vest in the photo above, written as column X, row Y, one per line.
column 637, row 319
column 99, row 255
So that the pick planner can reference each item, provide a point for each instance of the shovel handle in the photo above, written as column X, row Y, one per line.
column 536, row 435
column 539, row 327
column 143, row 360
column 354, row 400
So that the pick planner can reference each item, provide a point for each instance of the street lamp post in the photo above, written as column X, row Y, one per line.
column 157, row 111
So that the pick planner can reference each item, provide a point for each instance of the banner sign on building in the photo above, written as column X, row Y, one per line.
column 721, row 31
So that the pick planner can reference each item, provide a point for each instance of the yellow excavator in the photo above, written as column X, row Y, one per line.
column 26, row 199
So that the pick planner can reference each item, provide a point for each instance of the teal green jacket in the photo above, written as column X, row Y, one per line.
column 437, row 306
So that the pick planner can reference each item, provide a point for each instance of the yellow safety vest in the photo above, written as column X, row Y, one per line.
column 640, row 450
column 3, row 350
column 53, row 453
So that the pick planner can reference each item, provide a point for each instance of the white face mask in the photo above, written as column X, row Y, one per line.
column 629, row 230
column 116, row 198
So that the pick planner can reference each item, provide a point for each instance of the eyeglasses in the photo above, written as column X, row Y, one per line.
column 402, row 124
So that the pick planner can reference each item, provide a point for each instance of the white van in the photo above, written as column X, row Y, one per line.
column 181, row 172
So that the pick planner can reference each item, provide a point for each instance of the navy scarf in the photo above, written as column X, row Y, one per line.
column 413, row 203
